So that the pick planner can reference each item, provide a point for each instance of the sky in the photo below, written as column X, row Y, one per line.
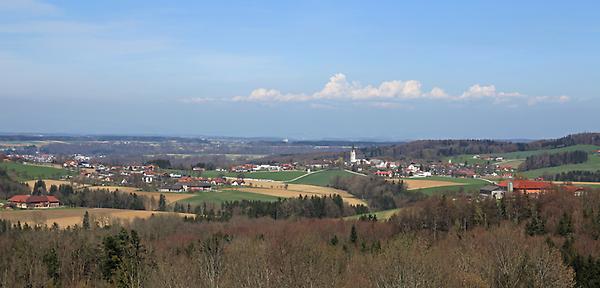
column 387, row 70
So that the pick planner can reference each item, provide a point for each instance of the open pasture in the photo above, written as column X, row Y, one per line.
column 24, row 172
column 323, row 177
column 381, row 215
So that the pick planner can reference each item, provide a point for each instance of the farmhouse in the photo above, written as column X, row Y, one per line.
column 149, row 177
column 33, row 202
column 525, row 186
column 493, row 191
column 238, row 182
column 197, row 186
column 177, row 187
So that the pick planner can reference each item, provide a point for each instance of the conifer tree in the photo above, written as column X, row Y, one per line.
column 353, row 234
column 86, row 221
column 162, row 203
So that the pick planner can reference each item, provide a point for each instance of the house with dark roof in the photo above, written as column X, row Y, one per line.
column 177, row 187
column 197, row 186
column 33, row 202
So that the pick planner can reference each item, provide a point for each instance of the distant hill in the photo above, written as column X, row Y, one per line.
column 440, row 149
column 437, row 149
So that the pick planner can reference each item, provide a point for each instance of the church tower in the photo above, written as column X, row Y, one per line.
column 353, row 155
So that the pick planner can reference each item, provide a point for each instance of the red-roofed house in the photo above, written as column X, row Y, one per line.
column 30, row 201
column 384, row 173
column 526, row 186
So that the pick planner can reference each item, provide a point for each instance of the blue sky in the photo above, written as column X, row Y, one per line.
column 301, row 69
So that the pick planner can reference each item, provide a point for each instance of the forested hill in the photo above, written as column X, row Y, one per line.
column 570, row 140
column 434, row 149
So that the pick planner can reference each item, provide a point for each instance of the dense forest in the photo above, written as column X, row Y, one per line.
column 549, row 241
column 552, row 160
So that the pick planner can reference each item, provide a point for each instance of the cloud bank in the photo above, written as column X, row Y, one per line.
column 389, row 92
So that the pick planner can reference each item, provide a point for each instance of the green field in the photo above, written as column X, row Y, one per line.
column 24, row 172
column 521, row 154
column 322, row 178
column 515, row 158
column 381, row 215
column 226, row 195
column 525, row 154
column 593, row 164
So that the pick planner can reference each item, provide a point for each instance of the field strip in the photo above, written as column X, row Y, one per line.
column 50, row 182
column 575, row 183
column 355, row 173
column 295, row 190
column 302, row 176
column 412, row 184
column 73, row 216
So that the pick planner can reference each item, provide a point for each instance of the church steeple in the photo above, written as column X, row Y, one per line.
column 353, row 154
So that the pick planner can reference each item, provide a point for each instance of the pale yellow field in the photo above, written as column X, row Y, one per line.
column 170, row 197
column 576, row 183
column 412, row 184
column 73, row 216
column 294, row 190
column 50, row 182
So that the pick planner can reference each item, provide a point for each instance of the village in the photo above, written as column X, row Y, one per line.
column 89, row 170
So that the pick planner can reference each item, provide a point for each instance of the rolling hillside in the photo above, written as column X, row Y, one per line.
column 322, row 178
column 24, row 172
column 219, row 197
column 515, row 158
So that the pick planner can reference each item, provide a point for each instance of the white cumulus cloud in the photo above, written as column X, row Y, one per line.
column 389, row 94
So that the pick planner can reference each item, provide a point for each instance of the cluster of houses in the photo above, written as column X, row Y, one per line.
column 263, row 167
column 491, row 166
column 198, row 184
column 412, row 169
column 37, row 157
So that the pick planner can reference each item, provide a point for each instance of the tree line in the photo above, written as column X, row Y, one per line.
column 378, row 192
column 576, row 176
column 332, row 206
column 552, row 160
column 92, row 198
